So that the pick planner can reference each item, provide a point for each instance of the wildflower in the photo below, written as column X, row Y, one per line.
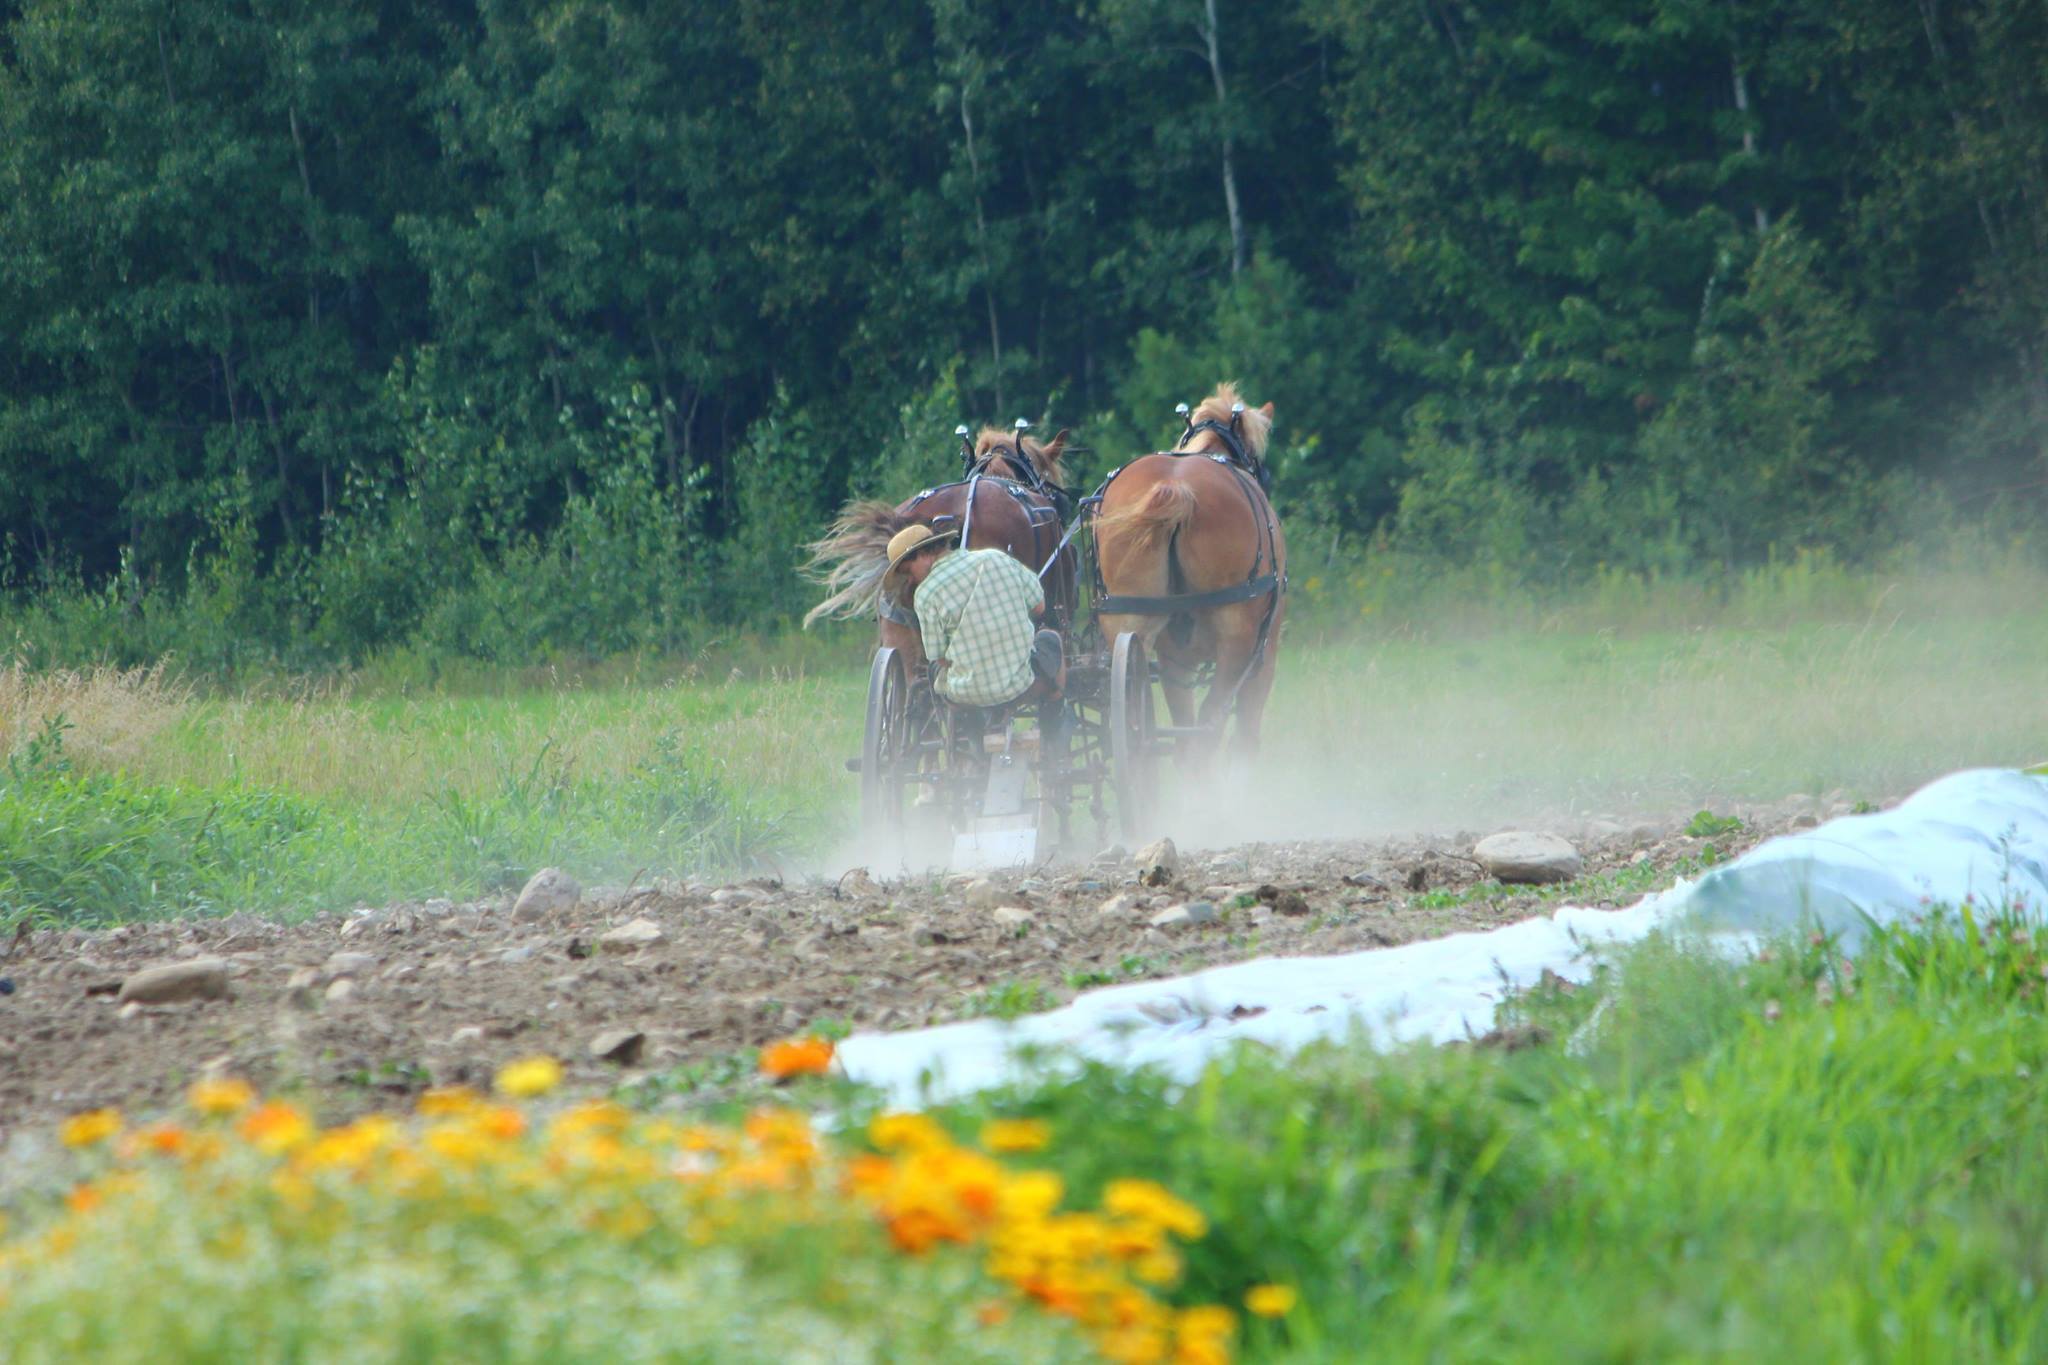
column 796, row 1057
column 1146, row 1199
column 914, row 1132
column 992, row 1313
column 276, row 1127
column 221, row 1096
column 457, row 1144
column 1033, row 1194
column 1271, row 1300
column 502, row 1124
column 446, row 1101
column 93, row 1126
column 1205, row 1322
column 1015, row 1135
column 83, row 1198
column 528, row 1077
column 164, row 1139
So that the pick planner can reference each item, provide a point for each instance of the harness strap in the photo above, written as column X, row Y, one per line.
column 967, row 517
column 1073, row 526
column 1173, row 604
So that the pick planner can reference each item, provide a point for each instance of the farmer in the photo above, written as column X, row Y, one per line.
column 975, row 612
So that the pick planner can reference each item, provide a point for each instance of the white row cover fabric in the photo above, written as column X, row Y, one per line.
column 1980, row 835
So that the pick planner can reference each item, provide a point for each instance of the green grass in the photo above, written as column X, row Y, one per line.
column 1783, row 1159
column 285, row 797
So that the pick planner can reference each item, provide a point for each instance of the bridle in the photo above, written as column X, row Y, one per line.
column 1232, row 434
column 974, row 462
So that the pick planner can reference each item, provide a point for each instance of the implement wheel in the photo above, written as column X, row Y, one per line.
column 885, row 746
column 1133, row 766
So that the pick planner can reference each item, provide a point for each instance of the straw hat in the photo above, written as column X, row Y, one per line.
column 906, row 543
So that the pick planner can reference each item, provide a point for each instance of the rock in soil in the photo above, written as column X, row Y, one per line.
column 639, row 933
column 349, row 964
column 1158, row 862
column 1525, row 857
column 547, row 892
column 1181, row 916
column 1011, row 916
column 202, row 978
column 619, row 1045
column 477, row 997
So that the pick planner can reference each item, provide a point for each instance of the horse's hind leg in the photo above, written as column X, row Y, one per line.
column 1234, row 645
column 1251, row 709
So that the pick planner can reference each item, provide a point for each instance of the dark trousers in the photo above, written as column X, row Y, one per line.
column 1046, row 654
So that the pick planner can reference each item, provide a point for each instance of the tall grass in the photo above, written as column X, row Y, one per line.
column 390, row 784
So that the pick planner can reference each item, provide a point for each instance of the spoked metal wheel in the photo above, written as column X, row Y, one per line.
column 1133, row 741
column 885, row 746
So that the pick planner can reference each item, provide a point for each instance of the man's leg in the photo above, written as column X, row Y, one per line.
column 1048, row 662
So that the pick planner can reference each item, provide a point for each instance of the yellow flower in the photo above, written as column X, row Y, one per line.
column 1206, row 1321
column 444, row 1101
column 457, row 1143
column 1015, row 1135
column 917, row 1132
column 94, row 1125
column 528, row 1077
column 1152, row 1202
column 1032, row 1194
column 1271, row 1300
column 220, row 1097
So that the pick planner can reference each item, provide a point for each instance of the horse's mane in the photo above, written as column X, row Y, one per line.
column 1046, row 456
column 1253, row 422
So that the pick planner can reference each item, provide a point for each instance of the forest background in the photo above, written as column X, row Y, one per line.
column 517, row 331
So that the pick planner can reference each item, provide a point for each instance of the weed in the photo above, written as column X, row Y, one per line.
column 1011, row 1000
column 1707, row 825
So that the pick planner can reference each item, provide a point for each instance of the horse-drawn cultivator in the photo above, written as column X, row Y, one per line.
column 942, row 782
column 1006, row 783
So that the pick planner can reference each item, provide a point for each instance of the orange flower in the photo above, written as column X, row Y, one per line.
column 502, row 1124
column 796, row 1057
column 991, row 1314
column 276, row 1127
column 221, row 1096
column 93, row 1126
column 165, row 1139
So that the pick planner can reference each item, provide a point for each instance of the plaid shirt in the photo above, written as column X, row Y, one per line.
column 974, row 612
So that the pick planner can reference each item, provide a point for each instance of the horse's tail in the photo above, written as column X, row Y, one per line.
column 851, row 559
column 1153, row 517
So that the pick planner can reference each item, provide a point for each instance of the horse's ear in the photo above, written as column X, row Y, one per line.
column 1056, row 446
column 1267, row 408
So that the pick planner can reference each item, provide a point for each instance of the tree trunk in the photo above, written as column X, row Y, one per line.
column 988, row 283
column 1211, row 37
column 1763, row 219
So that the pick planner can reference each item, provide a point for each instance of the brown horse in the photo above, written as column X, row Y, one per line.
column 999, row 504
column 1193, row 522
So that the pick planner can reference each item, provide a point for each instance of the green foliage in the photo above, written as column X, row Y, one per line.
column 1707, row 825
column 1792, row 1156
column 542, row 330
